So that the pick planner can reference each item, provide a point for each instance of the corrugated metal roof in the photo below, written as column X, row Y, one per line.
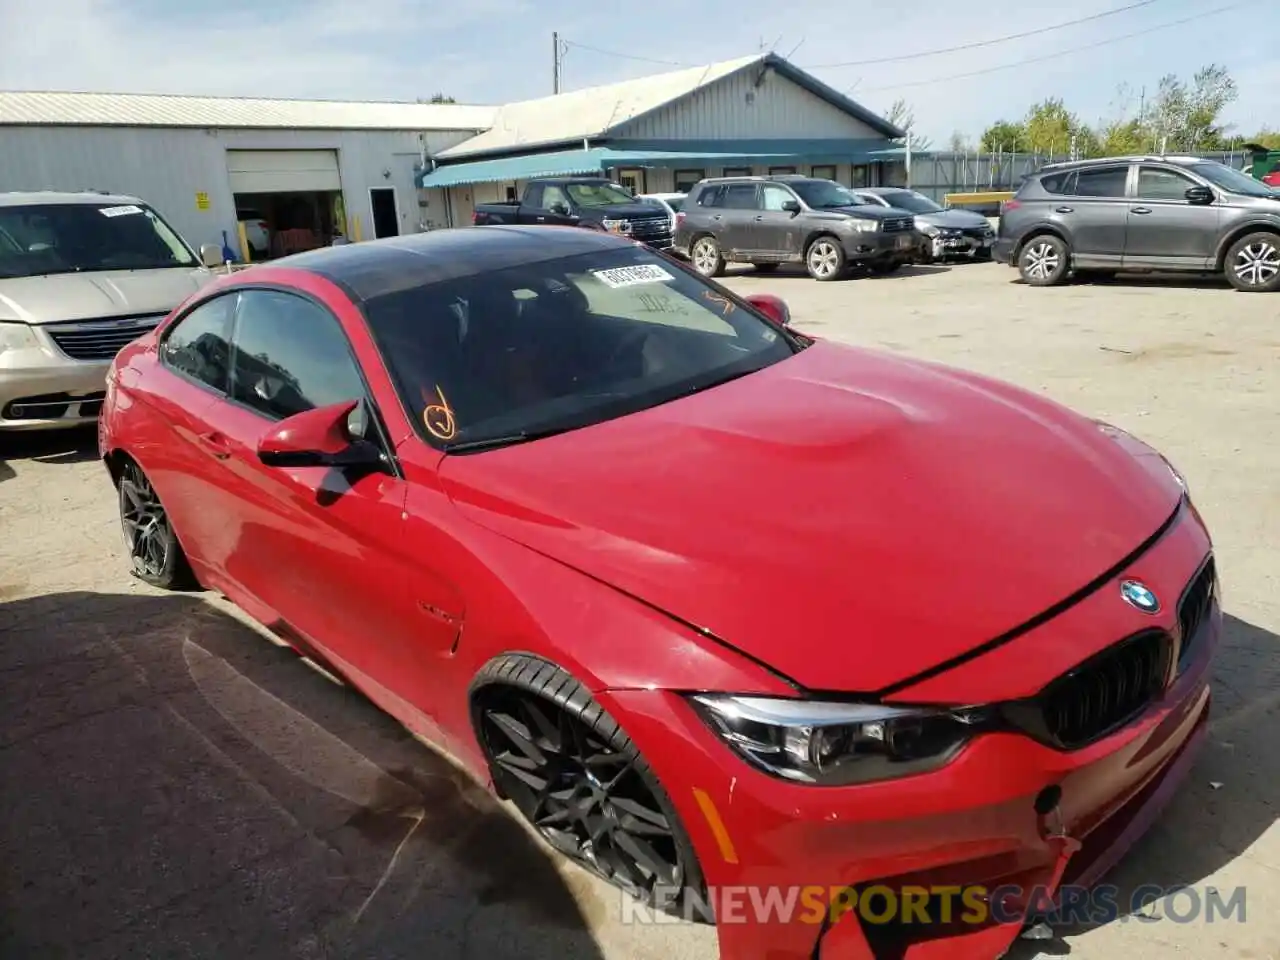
column 162, row 110
column 509, row 169
column 591, row 111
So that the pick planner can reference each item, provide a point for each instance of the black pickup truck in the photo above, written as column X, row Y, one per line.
column 592, row 202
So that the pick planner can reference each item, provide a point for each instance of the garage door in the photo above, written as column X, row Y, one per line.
column 282, row 171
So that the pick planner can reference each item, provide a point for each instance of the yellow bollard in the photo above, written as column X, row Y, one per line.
column 245, row 249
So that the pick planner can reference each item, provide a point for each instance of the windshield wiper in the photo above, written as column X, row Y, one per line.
column 506, row 440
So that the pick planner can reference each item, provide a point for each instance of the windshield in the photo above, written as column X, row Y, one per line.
column 825, row 194
column 1231, row 180
column 44, row 239
column 912, row 201
column 598, row 194
column 562, row 344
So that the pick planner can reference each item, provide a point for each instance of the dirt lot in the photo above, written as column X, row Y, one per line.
column 173, row 786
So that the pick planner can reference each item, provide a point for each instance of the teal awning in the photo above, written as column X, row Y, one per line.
column 692, row 154
column 510, row 169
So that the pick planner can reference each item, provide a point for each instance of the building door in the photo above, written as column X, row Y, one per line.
column 386, row 221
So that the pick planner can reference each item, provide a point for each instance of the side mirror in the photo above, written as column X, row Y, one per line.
column 1199, row 195
column 211, row 254
column 791, row 206
column 318, row 438
column 772, row 307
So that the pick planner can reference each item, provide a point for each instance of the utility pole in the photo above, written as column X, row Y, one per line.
column 555, row 62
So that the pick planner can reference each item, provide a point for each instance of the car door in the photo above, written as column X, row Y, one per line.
column 734, row 218
column 193, row 366
column 554, row 209
column 1165, row 229
column 1096, row 214
column 319, row 551
column 777, row 234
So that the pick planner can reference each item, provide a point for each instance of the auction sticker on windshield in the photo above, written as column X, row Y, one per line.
column 120, row 211
column 630, row 276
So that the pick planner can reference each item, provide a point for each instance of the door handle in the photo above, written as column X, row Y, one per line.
column 1065, row 210
column 1139, row 209
column 760, row 218
column 217, row 444
column 540, row 219
column 717, row 217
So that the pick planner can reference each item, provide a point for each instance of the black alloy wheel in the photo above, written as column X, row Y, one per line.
column 579, row 780
column 154, row 551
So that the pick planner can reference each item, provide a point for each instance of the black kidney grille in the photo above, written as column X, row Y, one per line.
column 1194, row 609
column 1106, row 692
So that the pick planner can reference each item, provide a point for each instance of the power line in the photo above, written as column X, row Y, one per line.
column 628, row 56
column 985, row 43
column 1061, row 53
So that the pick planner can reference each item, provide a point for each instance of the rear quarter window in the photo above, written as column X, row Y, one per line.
column 1059, row 184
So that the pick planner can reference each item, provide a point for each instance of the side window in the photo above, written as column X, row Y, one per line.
column 710, row 196
column 1108, row 182
column 1157, row 184
column 553, row 196
column 740, row 196
column 290, row 356
column 199, row 345
column 1059, row 183
column 775, row 196
column 533, row 197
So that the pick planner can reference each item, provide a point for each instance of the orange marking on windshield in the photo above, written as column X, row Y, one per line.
column 439, row 418
column 723, row 302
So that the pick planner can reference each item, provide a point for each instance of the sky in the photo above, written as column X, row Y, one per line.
column 494, row 51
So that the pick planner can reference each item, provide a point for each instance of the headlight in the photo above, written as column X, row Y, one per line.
column 616, row 226
column 835, row 744
column 17, row 336
column 928, row 229
column 1118, row 433
column 864, row 226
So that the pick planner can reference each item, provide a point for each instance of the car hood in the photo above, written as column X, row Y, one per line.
column 848, row 517
column 866, row 211
column 84, row 296
column 960, row 219
column 629, row 211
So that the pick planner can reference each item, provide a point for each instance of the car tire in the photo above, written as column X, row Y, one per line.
column 155, row 554
column 1252, row 264
column 517, row 699
column 824, row 259
column 706, row 256
column 1044, row 260
column 766, row 267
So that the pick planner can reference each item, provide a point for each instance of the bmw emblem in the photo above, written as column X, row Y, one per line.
column 1139, row 596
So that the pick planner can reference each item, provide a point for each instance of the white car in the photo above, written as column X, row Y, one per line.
column 670, row 202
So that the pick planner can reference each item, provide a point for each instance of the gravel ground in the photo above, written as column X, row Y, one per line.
column 173, row 786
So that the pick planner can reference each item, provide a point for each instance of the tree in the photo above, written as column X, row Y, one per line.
column 959, row 143
column 1188, row 116
column 441, row 98
column 1123, row 138
column 1053, row 129
column 1005, row 136
column 902, row 116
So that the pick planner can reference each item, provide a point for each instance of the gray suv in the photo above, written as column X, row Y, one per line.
column 769, row 221
column 1145, row 214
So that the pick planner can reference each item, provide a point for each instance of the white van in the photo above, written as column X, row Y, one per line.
column 81, row 275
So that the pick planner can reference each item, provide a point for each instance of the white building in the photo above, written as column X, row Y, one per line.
column 312, row 169
column 201, row 160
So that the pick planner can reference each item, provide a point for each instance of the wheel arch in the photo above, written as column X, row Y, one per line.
column 1041, row 230
column 1239, row 232
column 818, row 234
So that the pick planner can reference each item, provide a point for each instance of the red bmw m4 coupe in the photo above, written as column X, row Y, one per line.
column 714, row 604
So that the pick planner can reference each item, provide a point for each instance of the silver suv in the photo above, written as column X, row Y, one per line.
column 1145, row 214
column 81, row 275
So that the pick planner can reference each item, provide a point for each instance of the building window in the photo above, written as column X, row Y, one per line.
column 861, row 176
column 737, row 171
column 685, row 179
column 632, row 179
column 511, row 194
column 781, row 171
column 827, row 172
